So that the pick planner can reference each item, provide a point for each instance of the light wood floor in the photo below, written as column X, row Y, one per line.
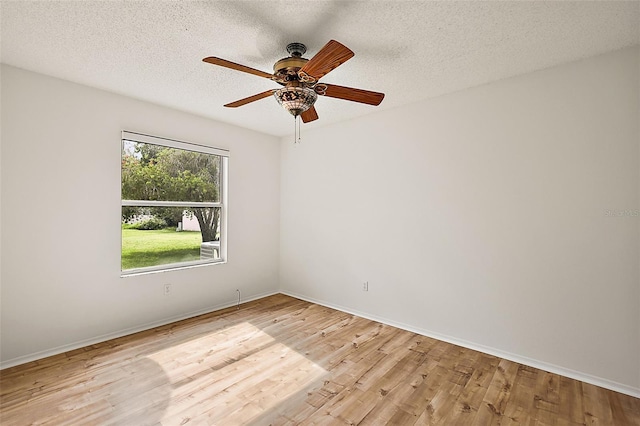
column 280, row 360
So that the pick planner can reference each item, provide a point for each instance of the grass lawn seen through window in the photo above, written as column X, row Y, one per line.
column 158, row 247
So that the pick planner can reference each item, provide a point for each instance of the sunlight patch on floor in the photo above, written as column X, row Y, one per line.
column 240, row 372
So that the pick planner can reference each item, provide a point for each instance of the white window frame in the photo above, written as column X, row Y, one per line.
column 224, row 167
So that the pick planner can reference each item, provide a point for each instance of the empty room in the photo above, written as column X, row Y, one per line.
column 319, row 212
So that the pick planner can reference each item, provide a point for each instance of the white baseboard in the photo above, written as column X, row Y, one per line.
column 577, row 375
column 92, row 341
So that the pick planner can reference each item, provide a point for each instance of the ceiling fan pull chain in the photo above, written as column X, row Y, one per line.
column 296, row 129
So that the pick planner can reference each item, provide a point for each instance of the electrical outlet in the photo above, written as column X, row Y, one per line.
column 167, row 289
column 365, row 286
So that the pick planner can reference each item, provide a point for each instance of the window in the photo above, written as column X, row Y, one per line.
column 173, row 204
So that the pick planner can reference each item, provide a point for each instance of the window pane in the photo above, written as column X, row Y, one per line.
column 153, row 236
column 160, row 173
column 164, row 185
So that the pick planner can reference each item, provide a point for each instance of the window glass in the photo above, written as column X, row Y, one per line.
column 172, row 204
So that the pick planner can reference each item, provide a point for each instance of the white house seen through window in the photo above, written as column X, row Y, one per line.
column 173, row 203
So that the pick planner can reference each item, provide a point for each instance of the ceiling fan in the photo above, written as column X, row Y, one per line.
column 300, row 76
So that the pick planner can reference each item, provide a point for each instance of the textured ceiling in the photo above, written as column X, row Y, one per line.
column 410, row 50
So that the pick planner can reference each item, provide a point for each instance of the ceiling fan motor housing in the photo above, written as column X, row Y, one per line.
column 288, row 66
column 286, row 69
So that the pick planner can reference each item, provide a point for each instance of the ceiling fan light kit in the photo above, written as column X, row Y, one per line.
column 300, row 76
column 296, row 100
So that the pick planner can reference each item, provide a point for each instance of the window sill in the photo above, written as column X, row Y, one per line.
column 156, row 270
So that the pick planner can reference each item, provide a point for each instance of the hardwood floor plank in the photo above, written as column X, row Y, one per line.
column 596, row 405
column 571, row 407
column 521, row 408
column 547, row 397
column 283, row 361
column 624, row 408
column 497, row 396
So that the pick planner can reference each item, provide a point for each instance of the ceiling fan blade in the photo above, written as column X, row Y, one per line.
column 237, row 67
column 351, row 94
column 250, row 99
column 332, row 55
column 309, row 115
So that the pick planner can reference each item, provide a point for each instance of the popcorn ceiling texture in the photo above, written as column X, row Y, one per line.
column 410, row 50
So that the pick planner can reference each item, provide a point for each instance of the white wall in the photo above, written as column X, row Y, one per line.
column 481, row 217
column 61, row 284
